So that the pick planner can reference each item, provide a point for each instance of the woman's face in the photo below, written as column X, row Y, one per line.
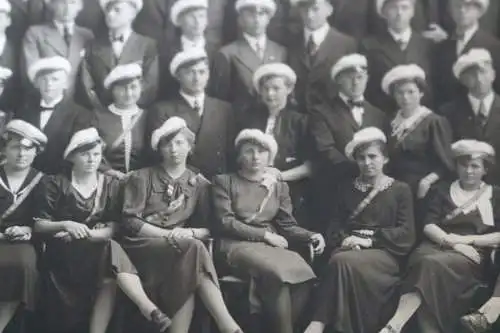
column 87, row 161
column 175, row 151
column 19, row 156
column 127, row 94
column 253, row 157
column 408, row 95
column 471, row 171
column 274, row 92
column 370, row 161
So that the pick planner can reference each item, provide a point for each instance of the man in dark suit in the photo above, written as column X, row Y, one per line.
column 121, row 46
column 56, row 115
column 234, row 65
column 212, row 120
column 154, row 21
column 191, row 17
column 61, row 36
column 334, row 123
column 399, row 44
column 468, row 35
column 476, row 114
column 316, row 50
column 25, row 13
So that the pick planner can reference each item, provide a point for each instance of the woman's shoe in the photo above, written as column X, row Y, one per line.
column 475, row 322
column 160, row 320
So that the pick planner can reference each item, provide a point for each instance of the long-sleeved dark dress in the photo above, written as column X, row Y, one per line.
column 242, row 244
column 446, row 280
column 426, row 149
column 358, row 286
column 75, row 270
column 291, row 132
column 18, row 271
column 170, row 269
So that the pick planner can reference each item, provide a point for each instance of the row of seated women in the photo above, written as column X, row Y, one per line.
column 144, row 234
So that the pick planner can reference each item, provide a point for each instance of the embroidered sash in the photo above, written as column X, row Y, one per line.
column 20, row 199
column 369, row 198
column 472, row 201
column 401, row 136
column 126, row 131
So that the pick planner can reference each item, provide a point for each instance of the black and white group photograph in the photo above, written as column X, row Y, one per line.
column 249, row 166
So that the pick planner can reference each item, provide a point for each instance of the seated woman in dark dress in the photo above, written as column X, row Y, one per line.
column 275, row 116
column 78, row 214
column 18, row 185
column 372, row 231
column 166, row 212
column 461, row 226
column 254, row 218
column 123, row 124
column 420, row 140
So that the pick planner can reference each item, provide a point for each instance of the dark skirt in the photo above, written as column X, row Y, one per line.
column 357, row 289
column 18, row 273
column 75, row 272
column 266, row 267
column 170, row 270
column 446, row 280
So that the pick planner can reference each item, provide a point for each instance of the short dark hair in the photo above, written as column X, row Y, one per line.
column 488, row 161
column 421, row 84
column 87, row 147
column 188, row 134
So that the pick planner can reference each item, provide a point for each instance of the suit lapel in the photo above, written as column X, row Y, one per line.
column 56, row 121
column 343, row 111
column 391, row 49
column 270, row 52
column 77, row 44
column 104, row 51
column 54, row 39
column 184, row 110
column 130, row 49
column 247, row 57
column 492, row 127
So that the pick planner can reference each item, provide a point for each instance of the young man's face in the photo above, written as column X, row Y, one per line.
column 120, row 14
column 254, row 20
column 398, row 13
column 65, row 10
column 315, row 13
column 465, row 13
column 194, row 22
column 52, row 84
column 478, row 79
column 193, row 79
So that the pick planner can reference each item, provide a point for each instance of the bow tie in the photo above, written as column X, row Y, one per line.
column 356, row 104
column 117, row 39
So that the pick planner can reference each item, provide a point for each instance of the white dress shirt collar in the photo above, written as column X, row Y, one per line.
column 476, row 103
column 357, row 112
column 318, row 35
column 70, row 26
column 52, row 104
column 404, row 36
column 468, row 34
column 194, row 100
column 256, row 42
column 187, row 43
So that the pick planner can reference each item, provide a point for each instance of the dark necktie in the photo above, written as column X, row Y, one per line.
column 197, row 106
column 67, row 36
column 401, row 43
column 312, row 48
column 355, row 103
column 117, row 39
column 482, row 115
